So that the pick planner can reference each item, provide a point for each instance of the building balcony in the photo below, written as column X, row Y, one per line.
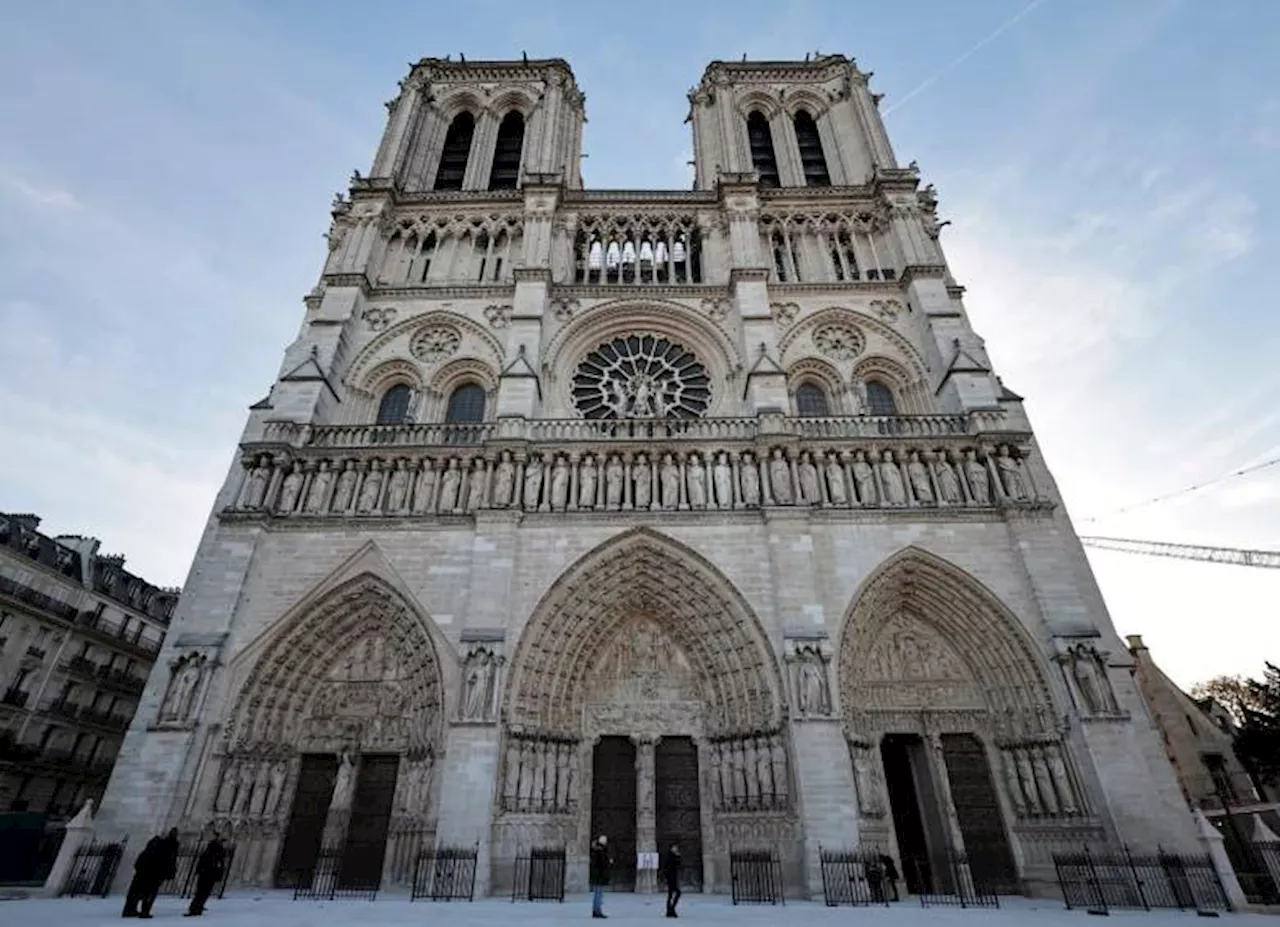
column 15, row 697
column 36, row 653
column 81, row 667
column 13, row 752
column 63, row 709
column 121, row 680
column 104, row 719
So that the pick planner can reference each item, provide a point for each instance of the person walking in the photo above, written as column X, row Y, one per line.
column 890, row 874
column 671, row 875
column 599, row 874
column 209, row 870
column 157, row 862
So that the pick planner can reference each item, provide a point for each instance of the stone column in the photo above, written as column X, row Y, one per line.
column 79, row 832
column 1214, row 844
column 344, row 790
column 646, row 808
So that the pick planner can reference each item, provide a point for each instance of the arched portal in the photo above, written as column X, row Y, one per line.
column 332, row 740
column 644, row 664
column 952, row 732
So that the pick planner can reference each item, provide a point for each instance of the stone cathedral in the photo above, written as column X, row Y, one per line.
column 680, row 516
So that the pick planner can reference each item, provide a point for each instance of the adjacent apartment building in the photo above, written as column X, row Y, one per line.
column 78, row 637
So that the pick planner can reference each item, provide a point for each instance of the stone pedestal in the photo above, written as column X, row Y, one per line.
column 467, row 776
column 1214, row 844
column 79, row 832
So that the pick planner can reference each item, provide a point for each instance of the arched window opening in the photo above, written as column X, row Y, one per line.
column 481, row 247
column 762, row 157
column 394, row 408
column 880, row 399
column 457, row 149
column 505, row 174
column 810, row 145
column 811, row 400
column 466, row 404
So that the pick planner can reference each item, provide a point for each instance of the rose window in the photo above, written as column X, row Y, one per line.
column 641, row 376
column 432, row 344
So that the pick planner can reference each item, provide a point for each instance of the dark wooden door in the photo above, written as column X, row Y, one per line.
column 904, row 807
column 311, row 798
column 978, row 811
column 613, row 806
column 679, row 806
column 366, row 844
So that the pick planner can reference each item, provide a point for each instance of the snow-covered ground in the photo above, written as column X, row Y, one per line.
column 278, row 909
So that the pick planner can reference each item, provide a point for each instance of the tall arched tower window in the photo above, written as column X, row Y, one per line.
column 456, row 151
column 811, row 157
column 880, row 399
column 762, row 157
column 811, row 400
column 505, row 174
column 394, row 408
column 466, row 404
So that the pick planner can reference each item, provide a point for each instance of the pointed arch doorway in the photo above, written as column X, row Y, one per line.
column 644, row 700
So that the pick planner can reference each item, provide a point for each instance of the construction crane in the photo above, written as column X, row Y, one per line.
column 1269, row 559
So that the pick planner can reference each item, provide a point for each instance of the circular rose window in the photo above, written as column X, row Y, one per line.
column 641, row 376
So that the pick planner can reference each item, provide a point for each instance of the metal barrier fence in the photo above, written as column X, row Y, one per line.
column 951, row 881
column 755, row 877
column 183, row 883
column 445, row 874
column 326, row 881
column 1098, row 882
column 857, row 877
column 29, row 844
column 92, row 869
column 540, row 875
column 1257, row 867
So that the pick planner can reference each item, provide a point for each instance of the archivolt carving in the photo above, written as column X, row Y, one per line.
column 357, row 670
column 677, row 624
column 378, row 348
column 923, row 634
column 873, row 327
column 388, row 374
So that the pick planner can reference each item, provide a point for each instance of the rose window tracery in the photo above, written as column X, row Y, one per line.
column 434, row 343
column 641, row 376
column 843, row 342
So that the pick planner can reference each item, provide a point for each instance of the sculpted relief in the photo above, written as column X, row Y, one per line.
column 644, row 683
column 912, row 665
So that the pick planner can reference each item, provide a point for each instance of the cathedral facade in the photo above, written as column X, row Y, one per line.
column 680, row 516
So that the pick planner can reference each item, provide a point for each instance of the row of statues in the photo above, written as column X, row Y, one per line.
column 251, row 788
column 540, row 775
column 1038, row 782
column 560, row 481
column 749, row 773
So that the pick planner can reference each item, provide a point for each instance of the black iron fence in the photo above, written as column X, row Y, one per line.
column 1098, row 882
column 92, row 869
column 1257, row 866
column 540, row 875
column 952, row 880
column 445, row 874
column 29, row 844
column 862, row 876
column 755, row 877
column 183, row 883
column 328, row 879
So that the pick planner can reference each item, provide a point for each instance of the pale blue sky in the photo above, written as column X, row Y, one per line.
column 1109, row 168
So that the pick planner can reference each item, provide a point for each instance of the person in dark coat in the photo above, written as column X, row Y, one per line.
column 209, row 870
column 890, row 875
column 670, row 870
column 157, row 862
column 599, row 874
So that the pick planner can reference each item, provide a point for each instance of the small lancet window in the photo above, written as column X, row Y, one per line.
column 466, row 404
column 456, row 152
column 505, row 174
column 811, row 157
column 811, row 401
column 763, row 158
column 880, row 399
column 394, row 408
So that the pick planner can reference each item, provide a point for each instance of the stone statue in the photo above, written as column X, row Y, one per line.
column 371, row 490
column 895, row 493
column 1015, row 486
column 813, row 687
column 614, row 475
column 780, row 478
column 918, row 473
column 289, row 491
column 979, row 479
column 317, row 495
column 641, row 482
column 750, row 479
column 697, row 485
column 810, row 494
column 870, row 803
column 722, row 480
column 244, row 788
column 344, row 782
column 279, row 772
column 450, row 483
column 864, row 479
column 423, row 497
column 473, row 701
column 261, row 789
column 226, row 789
column 670, row 476
column 476, row 484
column 1084, row 668
column 398, row 488
column 504, row 479
column 835, row 480
column 559, row 484
column 587, row 479
column 256, row 488
column 532, row 483
column 183, row 682
column 948, row 485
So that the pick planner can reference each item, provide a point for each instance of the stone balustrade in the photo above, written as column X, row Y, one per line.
column 862, row 462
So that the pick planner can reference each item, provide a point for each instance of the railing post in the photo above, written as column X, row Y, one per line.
column 79, row 832
column 1213, row 842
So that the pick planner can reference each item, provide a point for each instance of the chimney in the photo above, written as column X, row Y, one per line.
column 1135, row 642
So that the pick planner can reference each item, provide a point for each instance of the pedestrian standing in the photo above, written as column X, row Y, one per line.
column 671, row 874
column 209, row 870
column 890, row 874
column 157, row 862
column 599, row 874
